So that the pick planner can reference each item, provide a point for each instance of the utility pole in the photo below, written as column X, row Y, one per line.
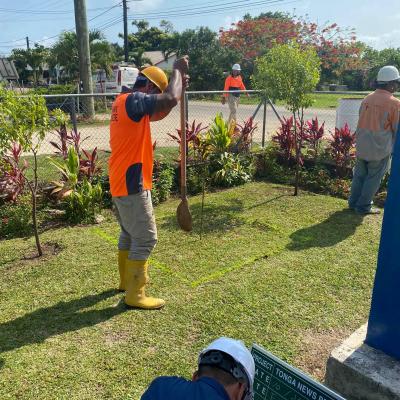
column 85, row 68
column 125, row 9
column 27, row 43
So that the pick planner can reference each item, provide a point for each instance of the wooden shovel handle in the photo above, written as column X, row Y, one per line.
column 183, row 144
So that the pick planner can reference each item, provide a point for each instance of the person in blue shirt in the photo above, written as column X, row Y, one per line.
column 225, row 372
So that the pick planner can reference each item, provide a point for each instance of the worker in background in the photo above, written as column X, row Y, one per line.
column 225, row 372
column 233, row 82
column 375, row 134
column 131, row 170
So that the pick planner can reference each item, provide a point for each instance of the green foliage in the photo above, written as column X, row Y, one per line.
column 55, row 89
column 34, row 57
column 163, row 180
column 65, row 53
column 218, row 137
column 268, row 167
column 24, row 120
column 208, row 58
column 69, row 169
column 83, row 203
column 104, row 182
column 15, row 218
column 317, row 178
column 288, row 73
column 229, row 170
column 377, row 59
column 194, row 177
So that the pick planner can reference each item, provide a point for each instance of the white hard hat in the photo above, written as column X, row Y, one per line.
column 239, row 352
column 236, row 67
column 387, row 74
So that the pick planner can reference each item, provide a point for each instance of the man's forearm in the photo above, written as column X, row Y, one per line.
column 174, row 88
column 170, row 97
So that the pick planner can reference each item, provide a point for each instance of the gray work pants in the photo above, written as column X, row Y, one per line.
column 138, row 226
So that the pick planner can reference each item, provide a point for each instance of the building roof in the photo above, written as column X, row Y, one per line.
column 7, row 69
column 156, row 57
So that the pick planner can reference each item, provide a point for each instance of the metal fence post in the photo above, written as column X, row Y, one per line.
column 187, row 107
column 264, row 124
column 73, row 115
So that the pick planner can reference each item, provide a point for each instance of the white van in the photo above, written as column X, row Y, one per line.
column 121, row 76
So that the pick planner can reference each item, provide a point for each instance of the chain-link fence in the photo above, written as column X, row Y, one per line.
column 202, row 108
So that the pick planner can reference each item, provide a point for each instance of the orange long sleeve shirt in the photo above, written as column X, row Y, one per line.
column 234, row 83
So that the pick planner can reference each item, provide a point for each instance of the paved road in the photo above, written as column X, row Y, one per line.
column 200, row 111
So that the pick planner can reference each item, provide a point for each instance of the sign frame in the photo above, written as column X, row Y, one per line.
column 276, row 377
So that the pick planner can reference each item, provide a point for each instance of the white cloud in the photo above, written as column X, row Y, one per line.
column 143, row 5
column 388, row 39
column 229, row 20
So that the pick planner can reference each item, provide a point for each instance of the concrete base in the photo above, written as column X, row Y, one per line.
column 359, row 372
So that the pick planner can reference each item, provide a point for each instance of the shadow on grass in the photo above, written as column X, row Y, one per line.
column 338, row 227
column 63, row 317
column 216, row 217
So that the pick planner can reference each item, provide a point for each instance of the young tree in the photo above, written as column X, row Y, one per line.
column 33, row 58
column 25, row 120
column 290, row 73
column 65, row 52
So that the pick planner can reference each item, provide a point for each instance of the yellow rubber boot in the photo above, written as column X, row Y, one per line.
column 137, row 278
column 122, row 257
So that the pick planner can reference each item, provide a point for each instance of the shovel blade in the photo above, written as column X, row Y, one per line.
column 183, row 216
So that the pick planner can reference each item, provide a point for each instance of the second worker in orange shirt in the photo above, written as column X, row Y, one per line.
column 233, row 83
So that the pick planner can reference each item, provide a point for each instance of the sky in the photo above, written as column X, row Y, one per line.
column 376, row 22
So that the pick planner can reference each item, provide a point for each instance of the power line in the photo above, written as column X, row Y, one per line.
column 205, row 10
column 41, row 12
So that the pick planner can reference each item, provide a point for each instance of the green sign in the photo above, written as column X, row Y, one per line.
column 277, row 380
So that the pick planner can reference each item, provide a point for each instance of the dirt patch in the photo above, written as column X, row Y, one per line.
column 49, row 249
column 317, row 346
column 112, row 338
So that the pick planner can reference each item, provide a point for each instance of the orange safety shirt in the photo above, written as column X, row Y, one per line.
column 234, row 83
column 131, row 160
column 377, row 125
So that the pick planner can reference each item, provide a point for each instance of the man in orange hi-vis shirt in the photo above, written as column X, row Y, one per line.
column 375, row 134
column 131, row 170
column 233, row 82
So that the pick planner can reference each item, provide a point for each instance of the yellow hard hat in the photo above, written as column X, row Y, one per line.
column 157, row 76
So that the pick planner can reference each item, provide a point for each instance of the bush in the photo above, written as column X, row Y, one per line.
column 229, row 170
column 267, row 166
column 194, row 177
column 15, row 218
column 83, row 203
column 104, row 182
column 342, row 149
column 163, row 180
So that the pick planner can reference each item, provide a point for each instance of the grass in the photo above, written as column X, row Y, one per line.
column 271, row 269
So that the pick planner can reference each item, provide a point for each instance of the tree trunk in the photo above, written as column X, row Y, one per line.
column 299, row 145
column 34, row 217
column 296, row 142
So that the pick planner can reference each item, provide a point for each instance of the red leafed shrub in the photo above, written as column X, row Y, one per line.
column 243, row 136
column 12, row 181
column 314, row 134
column 65, row 140
column 342, row 149
column 89, row 164
column 193, row 132
column 285, row 138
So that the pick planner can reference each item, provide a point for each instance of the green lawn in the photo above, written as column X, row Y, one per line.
column 271, row 268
